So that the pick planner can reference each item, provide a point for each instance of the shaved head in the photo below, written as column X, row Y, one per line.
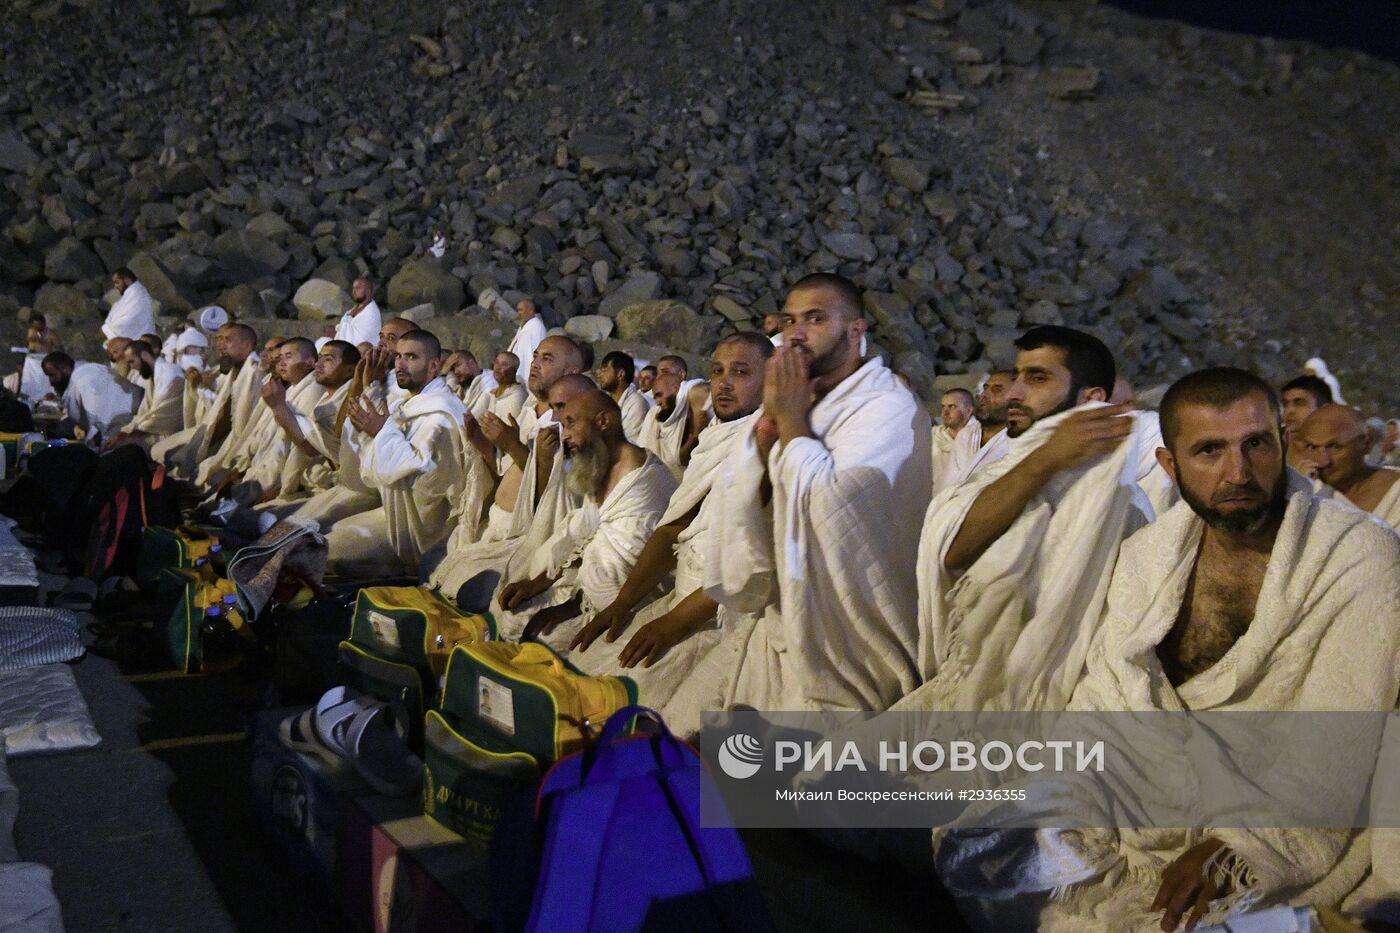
column 592, row 425
column 555, row 356
column 1336, row 438
column 567, row 387
column 665, row 389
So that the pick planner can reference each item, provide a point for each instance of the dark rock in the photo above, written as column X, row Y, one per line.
column 639, row 287
column 664, row 323
column 15, row 154
column 164, row 287
column 246, row 255
column 854, row 246
column 424, row 281
column 244, row 303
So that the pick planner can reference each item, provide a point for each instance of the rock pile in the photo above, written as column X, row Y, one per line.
column 650, row 171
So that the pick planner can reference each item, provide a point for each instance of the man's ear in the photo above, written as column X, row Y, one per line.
column 1091, row 394
column 858, row 328
column 1168, row 463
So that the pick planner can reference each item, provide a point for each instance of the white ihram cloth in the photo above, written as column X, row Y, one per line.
column 161, row 412
column 271, row 449
column 480, row 477
column 363, row 327
column 658, row 683
column 1388, row 509
column 1321, row 371
column 238, row 400
column 523, row 345
column 634, row 412
column 827, row 576
column 33, row 384
column 1012, row 631
column 302, row 473
column 1324, row 637
column 476, row 395
column 349, row 495
column 942, row 448
column 666, row 437
column 591, row 552
column 969, row 454
column 132, row 314
column 415, row 461
column 98, row 401
column 536, row 514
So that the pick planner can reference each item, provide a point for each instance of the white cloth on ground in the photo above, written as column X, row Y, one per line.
column 132, row 315
column 1011, row 632
column 839, row 548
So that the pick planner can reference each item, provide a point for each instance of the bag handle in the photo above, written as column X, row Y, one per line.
column 597, row 758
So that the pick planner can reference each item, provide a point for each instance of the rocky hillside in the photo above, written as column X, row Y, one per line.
column 660, row 170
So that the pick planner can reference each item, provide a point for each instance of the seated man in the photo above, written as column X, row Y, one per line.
column 1334, row 441
column 1255, row 594
column 646, row 378
column 955, row 410
column 208, row 423
column 411, row 452
column 671, row 633
column 466, row 378
column 472, row 567
column 671, row 429
column 96, row 404
column 1013, row 562
column 133, row 313
column 236, row 421
column 314, row 452
column 983, row 441
column 1301, row 397
column 162, row 401
column 257, row 474
column 822, row 571
column 580, row 568
column 615, row 375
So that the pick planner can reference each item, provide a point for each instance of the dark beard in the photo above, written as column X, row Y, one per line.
column 1065, row 405
column 1242, row 521
column 831, row 360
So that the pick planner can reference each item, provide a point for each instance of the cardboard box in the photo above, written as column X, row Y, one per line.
column 300, row 799
column 400, row 872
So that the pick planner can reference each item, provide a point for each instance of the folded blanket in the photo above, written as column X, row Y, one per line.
column 31, row 636
column 42, row 710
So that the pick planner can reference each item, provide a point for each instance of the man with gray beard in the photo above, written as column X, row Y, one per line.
column 582, row 565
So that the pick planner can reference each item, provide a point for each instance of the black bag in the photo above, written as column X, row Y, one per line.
column 124, row 494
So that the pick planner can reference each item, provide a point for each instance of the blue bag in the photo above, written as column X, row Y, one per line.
column 621, row 846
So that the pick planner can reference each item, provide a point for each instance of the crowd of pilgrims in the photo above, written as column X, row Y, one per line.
column 791, row 530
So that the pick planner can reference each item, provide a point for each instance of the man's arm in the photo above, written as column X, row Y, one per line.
column 1082, row 435
column 662, row 634
column 696, row 421
column 274, row 395
column 657, row 559
column 505, row 436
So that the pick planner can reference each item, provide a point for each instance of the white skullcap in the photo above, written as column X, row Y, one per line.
column 212, row 318
column 191, row 337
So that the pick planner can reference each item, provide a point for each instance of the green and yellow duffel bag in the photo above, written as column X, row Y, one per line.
column 415, row 626
column 173, row 549
column 470, row 776
column 531, row 697
column 204, row 629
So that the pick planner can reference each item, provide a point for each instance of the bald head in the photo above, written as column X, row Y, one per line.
column 593, row 439
column 1336, row 438
column 555, row 356
column 391, row 330
column 665, row 389
column 567, row 387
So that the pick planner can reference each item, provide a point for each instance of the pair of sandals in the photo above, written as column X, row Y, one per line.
column 348, row 728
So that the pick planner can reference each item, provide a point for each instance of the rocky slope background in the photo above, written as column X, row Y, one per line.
column 657, row 172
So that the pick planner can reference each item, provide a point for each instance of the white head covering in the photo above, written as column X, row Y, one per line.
column 1319, row 369
column 212, row 318
column 191, row 337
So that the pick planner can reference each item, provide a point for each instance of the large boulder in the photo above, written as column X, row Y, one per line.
column 590, row 328
column 246, row 255
column 425, row 281
column 243, row 303
column 71, row 261
column 665, row 324
column 320, row 300
column 15, row 154
column 163, row 285
column 639, row 287
column 66, row 308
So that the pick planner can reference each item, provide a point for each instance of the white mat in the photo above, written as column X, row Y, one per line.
column 42, row 710
column 27, row 902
